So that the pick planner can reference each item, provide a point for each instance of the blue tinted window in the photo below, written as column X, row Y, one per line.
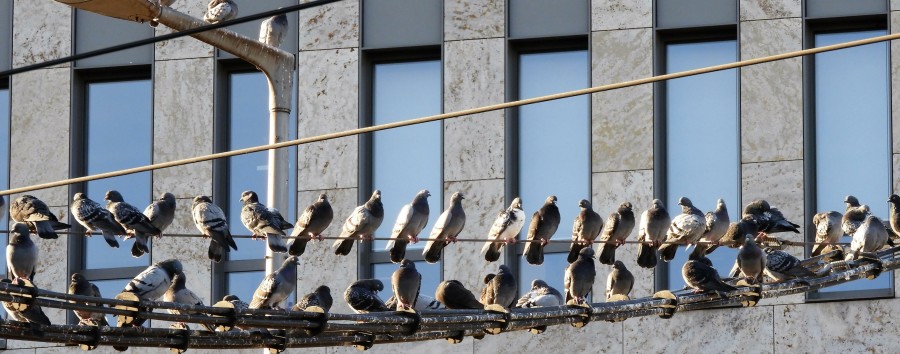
column 702, row 136
column 552, row 271
column 242, row 284
column 4, row 163
column 431, row 277
column 853, row 131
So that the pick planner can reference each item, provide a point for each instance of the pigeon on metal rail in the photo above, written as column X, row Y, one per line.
column 781, row 266
column 541, row 295
column 412, row 219
column 585, row 229
column 220, row 10
column 273, row 30
column 619, row 282
column 423, row 302
column 406, row 283
column 153, row 282
column 455, row 296
column 717, row 222
column 276, row 286
column 506, row 227
column 579, row 276
column 618, row 227
column 133, row 221
column 321, row 298
column 37, row 215
column 751, row 260
column 310, row 225
column 544, row 223
column 768, row 220
column 686, row 228
column 178, row 293
column 446, row 229
column 161, row 212
column 362, row 296
column 32, row 314
column 94, row 217
column 851, row 202
column 211, row 221
column 870, row 237
column 360, row 225
column 700, row 275
column 893, row 219
column 652, row 228
column 21, row 253
column 499, row 288
column 262, row 221
column 734, row 236
column 828, row 230
column 79, row 285
column 853, row 218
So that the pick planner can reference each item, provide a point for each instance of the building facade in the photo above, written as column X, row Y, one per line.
column 801, row 133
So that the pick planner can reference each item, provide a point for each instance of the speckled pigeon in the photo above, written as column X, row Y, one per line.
column 853, row 218
column 211, row 221
column 717, row 222
column 506, row 227
column 618, row 227
column 153, row 282
column 133, row 221
column 262, row 222
column 541, row 295
column 585, row 229
column 700, row 275
column 455, row 296
column 362, row 296
column 360, row 225
column 412, row 219
column 446, row 229
column 276, row 286
column 310, row 225
column 768, row 220
column 321, row 297
column 686, row 228
column 79, row 285
column 499, row 288
column 37, row 215
column 544, row 223
column 828, row 231
column 652, row 228
column 95, row 217
column 781, row 266
column 21, row 253
column 220, row 10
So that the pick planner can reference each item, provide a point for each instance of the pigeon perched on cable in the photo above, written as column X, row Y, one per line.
column 619, row 283
column 273, row 29
column 178, row 293
column 446, row 229
column 153, row 282
column 700, row 275
column 853, row 218
column 687, row 228
column 751, row 260
column 544, row 223
column 579, row 277
column 781, row 266
column 506, row 227
column 618, row 227
column 210, row 220
column 32, row 314
column 262, row 222
column 455, row 296
column 95, row 217
column 37, row 215
column 406, row 282
column 21, row 253
column 412, row 219
column 360, row 225
column 133, row 221
column 79, row 285
column 423, row 303
column 362, row 296
column 220, row 10
column 652, row 228
column 870, row 237
column 851, row 202
column 893, row 219
column 717, row 222
column 276, row 286
column 768, row 220
column 161, row 212
column 734, row 236
column 541, row 295
column 585, row 229
column 828, row 231
column 320, row 298
column 500, row 288
column 310, row 225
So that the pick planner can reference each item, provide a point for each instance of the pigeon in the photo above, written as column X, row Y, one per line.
column 500, row 288
column 768, row 220
column 262, row 222
column 37, row 215
column 700, row 275
column 153, row 282
column 132, row 220
column 654, row 224
column 851, row 202
column 423, row 302
column 853, row 218
column 455, row 296
column 618, row 227
column 828, row 231
column 179, row 294
column 21, row 253
column 321, row 298
column 781, row 266
column 361, row 224
column 446, row 229
column 81, row 286
column 2, row 206
column 161, row 3
column 751, row 260
column 161, row 212
column 273, row 29
column 734, row 236
column 579, row 277
column 544, row 223
column 870, row 237
column 717, row 223
column 277, row 286
column 506, row 227
column 405, row 282
column 220, row 10
column 211, row 221
column 585, row 229
column 412, row 219
column 362, row 296
column 893, row 220
column 314, row 219
column 32, row 314
column 94, row 217
column 619, row 282
column 541, row 295
column 686, row 228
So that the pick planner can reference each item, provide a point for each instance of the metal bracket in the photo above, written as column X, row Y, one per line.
column 670, row 305
column 495, row 308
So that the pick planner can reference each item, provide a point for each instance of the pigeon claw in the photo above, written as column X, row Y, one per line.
column 509, row 241
column 544, row 242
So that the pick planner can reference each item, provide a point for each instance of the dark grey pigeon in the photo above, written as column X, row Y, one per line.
column 133, row 221
column 893, row 219
column 153, row 282
column 870, row 237
column 360, row 225
column 585, row 229
column 717, row 222
column 544, row 223
column 178, row 293
column 211, row 222
column 423, row 303
column 652, row 228
column 851, row 202
column 781, row 266
column 541, row 295
column 21, row 253
column 619, row 282
column 33, row 314
column 95, row 217
column 161, row 212
column 579, row 277
column 321, row 297
column 853, row 218
column 734, row 236
column 700, row 275
column 81, row 286
column 446, row 228
column 220, row 10
column 412, row 219
column 406, row 282
column 751, row 260
column 687, row 228
column 273, row 29
column 310, row 225
column 506, row 227
column 455, row 296
column 262, row 222
column 362, row 296
column 276, row 286
column 499, row 288
column 768, row 220
column 828, row 231
column 618, row 227
column 37, row 215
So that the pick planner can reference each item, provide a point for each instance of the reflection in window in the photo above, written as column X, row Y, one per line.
column 853, row 131
column 4, row 161
column 554, row 136
column 430, row 278
column 243, row 284
column 702, row 118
